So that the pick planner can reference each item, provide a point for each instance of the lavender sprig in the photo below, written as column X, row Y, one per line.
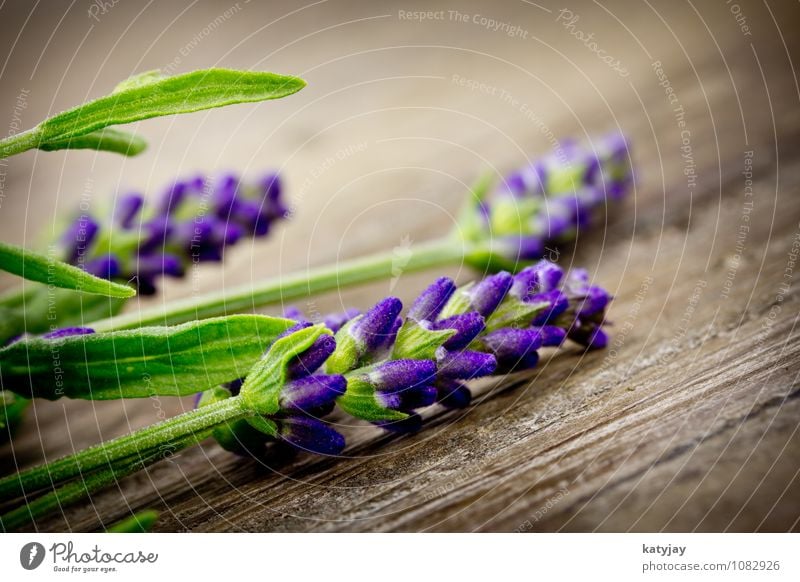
column 378, row 367
column 193, row 221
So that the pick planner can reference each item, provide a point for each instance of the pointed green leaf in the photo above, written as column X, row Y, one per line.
column 167, row 361
column 147, row 97
column 41, row 268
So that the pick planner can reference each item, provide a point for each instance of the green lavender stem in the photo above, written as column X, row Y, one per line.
column 163, row 436
column 79, row 489
column 437, row 253
column 19, row 143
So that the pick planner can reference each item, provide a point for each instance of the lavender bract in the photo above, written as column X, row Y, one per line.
column 193, row 221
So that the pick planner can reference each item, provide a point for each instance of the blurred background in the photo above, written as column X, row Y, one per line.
column 407, row 104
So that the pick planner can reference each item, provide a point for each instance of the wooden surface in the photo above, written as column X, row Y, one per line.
column 689, row 422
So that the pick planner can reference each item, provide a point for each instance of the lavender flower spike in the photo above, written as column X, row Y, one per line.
column 495, row 326
column 195, row 220
column 547, row 203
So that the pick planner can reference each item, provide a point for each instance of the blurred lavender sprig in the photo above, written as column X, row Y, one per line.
column 193, row 221
column 547, row 203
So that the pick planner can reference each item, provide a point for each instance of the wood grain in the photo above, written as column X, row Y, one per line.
column 689, row 421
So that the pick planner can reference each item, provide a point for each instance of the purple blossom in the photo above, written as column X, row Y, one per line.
column 376, row 325
column 311, row 434
column 467, row 327
column 489, row 293
column 431, row 301
column 194, row 220
column 311, row 392
column 397, row 375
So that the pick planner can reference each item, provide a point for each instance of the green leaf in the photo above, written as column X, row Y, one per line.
column 109, row 140
column 166, row 361
column 146, row 96
column 37, row 267
column 262, row 386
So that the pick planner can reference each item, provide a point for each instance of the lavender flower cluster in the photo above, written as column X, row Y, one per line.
column 551, row 200
column 193, row 221
column 384, row 368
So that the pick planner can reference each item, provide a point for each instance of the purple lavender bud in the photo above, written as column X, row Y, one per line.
column 464, row 364
column 224, row 198
column 310, row 434
column 372, row 329
column 150, row 265
column 431, row 301
column 577, row 282
column 552, row 336
column 467, row 326
column 391, row 335
column 549, row 275
column 68, row 332
column 335, row 321
column 452, row 394
column 489, row 293
column 513, row 185
column 528, row 181
column 309, row 361
column 513, row 347
column 396, row 375
column 145, row 284
column 538, row 278
column 558, row 304
column 104, row 266
column 311, row 392
column 408, row 399
column 273, row 205
column 227, row 233
column 128, row 208
column 411, row 424
column 593, row 338
column 594, row 302
column 295, row 313
column 79, row 237
column 252, row 216
column 172, row 198
column 526, row 248
column 417, row 397
column 156, row 233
